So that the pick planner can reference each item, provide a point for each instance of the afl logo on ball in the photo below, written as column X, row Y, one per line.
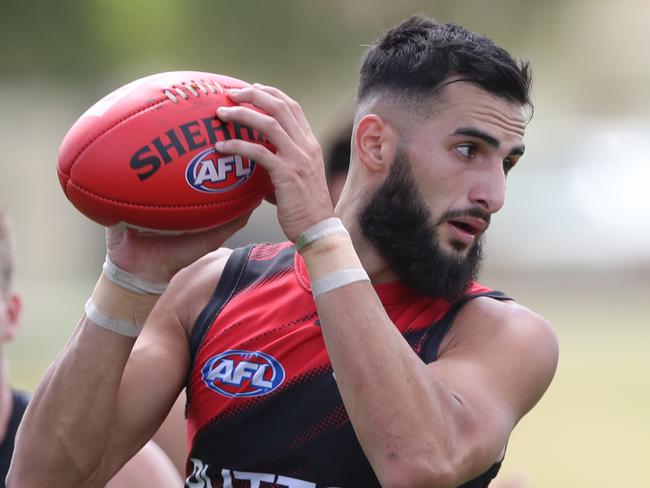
column 211, row 173
column 239, row 373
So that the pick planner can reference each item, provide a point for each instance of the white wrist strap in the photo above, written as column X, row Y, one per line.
column 115, row 325
column 317, row 231
column 337, row 279
column 131, row 282
column 114, row 307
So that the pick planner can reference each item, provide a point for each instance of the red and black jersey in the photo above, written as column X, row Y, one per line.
column 263, row 406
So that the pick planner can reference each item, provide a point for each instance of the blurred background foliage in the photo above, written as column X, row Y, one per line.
column 573, row 241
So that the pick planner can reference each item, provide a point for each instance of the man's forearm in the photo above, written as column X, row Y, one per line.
column 392, row 399
column 68, row 422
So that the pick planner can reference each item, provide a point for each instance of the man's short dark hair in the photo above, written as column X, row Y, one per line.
column 416, row 58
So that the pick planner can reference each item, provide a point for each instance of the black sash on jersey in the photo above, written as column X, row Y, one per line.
column 438, row 333
column 228, row 284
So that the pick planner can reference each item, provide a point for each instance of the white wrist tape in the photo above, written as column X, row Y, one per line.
column 119, row 326
column 131, row 282
column 117, row 309
column 317, row 231
column 337, row 279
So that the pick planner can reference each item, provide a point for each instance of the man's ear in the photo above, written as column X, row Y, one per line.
column 13, row 311
column 375, row 143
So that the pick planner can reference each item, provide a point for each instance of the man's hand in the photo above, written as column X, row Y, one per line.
column 157, row 258
column 296, row 168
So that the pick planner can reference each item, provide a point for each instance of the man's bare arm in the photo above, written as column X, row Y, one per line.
column 84, row 420
column 104, row 397
column 440, row 424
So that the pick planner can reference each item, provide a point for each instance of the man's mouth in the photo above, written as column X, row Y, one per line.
column 466, row 229
column 471, row 225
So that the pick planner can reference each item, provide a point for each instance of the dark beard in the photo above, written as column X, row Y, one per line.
column 397, row 222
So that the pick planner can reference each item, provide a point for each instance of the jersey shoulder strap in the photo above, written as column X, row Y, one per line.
column 228, row 284
column 439, row 329
column 245, row 266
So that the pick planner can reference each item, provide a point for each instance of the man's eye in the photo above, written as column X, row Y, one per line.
column 508, row 164
column 467, row 150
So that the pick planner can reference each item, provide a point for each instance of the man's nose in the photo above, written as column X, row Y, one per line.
column 489, row 189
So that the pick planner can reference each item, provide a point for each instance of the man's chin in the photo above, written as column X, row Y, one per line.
column 456, row 249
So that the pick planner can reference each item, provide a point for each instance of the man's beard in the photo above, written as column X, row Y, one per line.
column 397, row 221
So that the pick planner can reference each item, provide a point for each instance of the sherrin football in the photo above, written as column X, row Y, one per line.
column 144, row 156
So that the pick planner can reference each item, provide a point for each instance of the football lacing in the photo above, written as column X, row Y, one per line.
column 212, row 86
column 216, row 86
column 171, row 96
column 181, row 93
column 201, row 87
column 191, row 89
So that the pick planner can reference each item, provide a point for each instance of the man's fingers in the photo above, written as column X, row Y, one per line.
column 266, row 124
column 293, row 106
column 251, row 150
column 276, row 107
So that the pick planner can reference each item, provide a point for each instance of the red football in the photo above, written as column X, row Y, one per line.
column 144, row 156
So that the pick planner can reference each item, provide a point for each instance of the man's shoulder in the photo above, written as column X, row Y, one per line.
column 509, row 342
column 507, row 327
column 193, row 287
column 506, row 318
column 203, row 268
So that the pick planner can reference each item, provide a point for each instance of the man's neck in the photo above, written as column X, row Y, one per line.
column 375, row 265
column 6, row 399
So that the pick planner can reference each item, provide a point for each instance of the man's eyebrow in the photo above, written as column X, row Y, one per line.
column 487, row 138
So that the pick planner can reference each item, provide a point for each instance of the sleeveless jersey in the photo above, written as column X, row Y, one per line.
column 19, row 404
column 263, row 406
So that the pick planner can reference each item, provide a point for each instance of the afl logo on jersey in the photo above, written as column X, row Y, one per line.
column 210, row 173
column 239, row 373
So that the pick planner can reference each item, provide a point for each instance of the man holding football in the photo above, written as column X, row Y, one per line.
column 361, row 352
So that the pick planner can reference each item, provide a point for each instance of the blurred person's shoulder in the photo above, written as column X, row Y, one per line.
column 149, row 467
column 20, row 399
